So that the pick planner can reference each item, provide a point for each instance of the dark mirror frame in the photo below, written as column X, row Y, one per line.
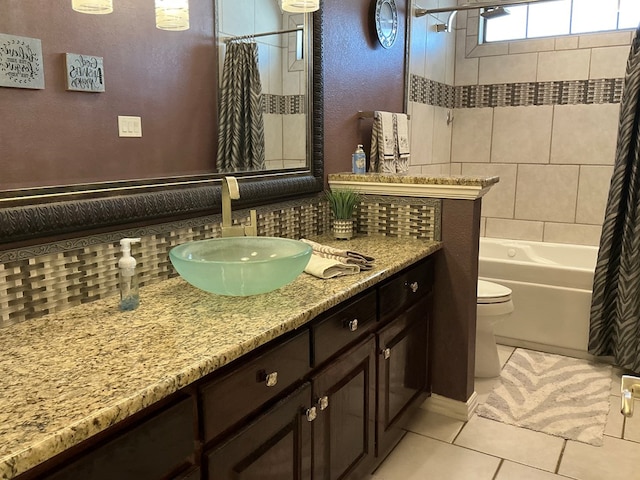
column 53, row 213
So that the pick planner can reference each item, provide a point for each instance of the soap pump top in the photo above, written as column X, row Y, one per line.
column 126, row 260
column 129, row 298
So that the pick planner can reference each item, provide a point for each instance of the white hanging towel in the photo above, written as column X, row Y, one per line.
column 404, row 149
column 382, row 141
column 390, row 143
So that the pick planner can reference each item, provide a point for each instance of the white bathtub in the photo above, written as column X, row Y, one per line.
column 551, row 286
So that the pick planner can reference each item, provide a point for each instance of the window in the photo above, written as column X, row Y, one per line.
column 562, row 17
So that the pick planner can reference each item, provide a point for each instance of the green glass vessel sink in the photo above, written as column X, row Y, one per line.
column 240, row 266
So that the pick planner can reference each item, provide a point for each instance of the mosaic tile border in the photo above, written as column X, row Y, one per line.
column 393, row 216
column 48, row 278
column 283, row 104
column 565, row 92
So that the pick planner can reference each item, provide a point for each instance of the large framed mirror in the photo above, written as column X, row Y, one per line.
column 54, row 183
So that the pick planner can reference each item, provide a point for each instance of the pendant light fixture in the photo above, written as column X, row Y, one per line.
column 172, row 14
column 97, row 7
column 300, row 6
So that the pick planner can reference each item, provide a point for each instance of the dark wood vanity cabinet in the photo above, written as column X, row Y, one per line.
column 325, row 402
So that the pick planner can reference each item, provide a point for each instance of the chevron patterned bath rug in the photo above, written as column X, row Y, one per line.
column 561, row 396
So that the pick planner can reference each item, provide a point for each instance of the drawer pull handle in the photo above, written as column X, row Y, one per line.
column 271, row 379
column 353, row 325
column 323, row 403
column 386, row 353
column 414, row 286
column 311, row 414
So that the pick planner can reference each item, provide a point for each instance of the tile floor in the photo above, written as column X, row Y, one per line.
column 440, row 448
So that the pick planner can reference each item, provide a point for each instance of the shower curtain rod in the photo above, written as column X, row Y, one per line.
column 420, row 12
column 265, row 34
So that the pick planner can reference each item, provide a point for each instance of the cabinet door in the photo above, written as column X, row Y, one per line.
column 343, row 433
column 276, row 446
column 402, row 371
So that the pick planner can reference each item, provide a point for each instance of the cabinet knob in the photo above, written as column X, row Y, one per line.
column 311, row 414
column 353, row 325
column 323, row 403
column 271, row 379
column 413, row 286
column 386, row 353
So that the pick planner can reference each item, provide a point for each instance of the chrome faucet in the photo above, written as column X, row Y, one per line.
column 629, row 390
column 230, row 191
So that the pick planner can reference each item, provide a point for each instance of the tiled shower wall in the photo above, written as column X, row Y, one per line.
column 431, row 69
column 50, row 278
column 542, row 114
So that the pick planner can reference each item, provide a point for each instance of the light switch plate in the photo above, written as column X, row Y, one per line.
column 129, row 126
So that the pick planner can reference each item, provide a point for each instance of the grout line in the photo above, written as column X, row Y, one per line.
column 453, row 442
column 495, row 475
column 564, row 445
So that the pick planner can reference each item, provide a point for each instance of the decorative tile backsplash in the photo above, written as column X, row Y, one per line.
column 564, row 92
column 50, row 278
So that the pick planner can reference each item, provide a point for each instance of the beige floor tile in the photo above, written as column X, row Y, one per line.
column 504, row 353
column 632, row 424
column 515, row 471
column 615, row 420
column 512, row 443
column 434, row 425
column 484, row 386
column 419, row 458
column 616, row 459
column 616, row 379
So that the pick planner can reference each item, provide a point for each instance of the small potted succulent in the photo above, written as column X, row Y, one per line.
column 343, row 203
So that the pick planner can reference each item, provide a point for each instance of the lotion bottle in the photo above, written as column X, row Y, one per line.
column 359, row 160
column 129, row 295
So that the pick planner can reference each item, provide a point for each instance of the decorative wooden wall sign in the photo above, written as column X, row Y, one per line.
column 85, row 73
column 21, row 62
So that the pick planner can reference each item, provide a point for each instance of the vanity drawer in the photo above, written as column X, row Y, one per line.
column 343, row 327
column 230, row 398
column 406, row 289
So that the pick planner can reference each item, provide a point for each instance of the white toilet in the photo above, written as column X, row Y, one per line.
column 494, row 305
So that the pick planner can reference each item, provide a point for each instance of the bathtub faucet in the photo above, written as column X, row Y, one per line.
column 629, row 390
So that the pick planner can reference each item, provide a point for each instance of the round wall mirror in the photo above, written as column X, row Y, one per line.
column 386, row 19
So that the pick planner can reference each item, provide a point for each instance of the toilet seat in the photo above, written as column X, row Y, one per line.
column 489, row 293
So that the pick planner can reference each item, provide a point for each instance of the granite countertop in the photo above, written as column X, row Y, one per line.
column 416, row 179
column 70, row 375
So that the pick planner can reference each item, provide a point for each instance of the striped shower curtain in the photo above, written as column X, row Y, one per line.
column 615, row 307
column 240, row 120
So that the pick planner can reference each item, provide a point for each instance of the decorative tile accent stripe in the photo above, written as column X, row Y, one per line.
column 429, row 92
column 569, row 92
column 50, row 278
column 283, row 104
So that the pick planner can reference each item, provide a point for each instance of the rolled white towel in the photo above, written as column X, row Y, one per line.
column 327, row 268
column 350, row 257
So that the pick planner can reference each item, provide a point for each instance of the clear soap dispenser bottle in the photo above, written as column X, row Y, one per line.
column 129, row 296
